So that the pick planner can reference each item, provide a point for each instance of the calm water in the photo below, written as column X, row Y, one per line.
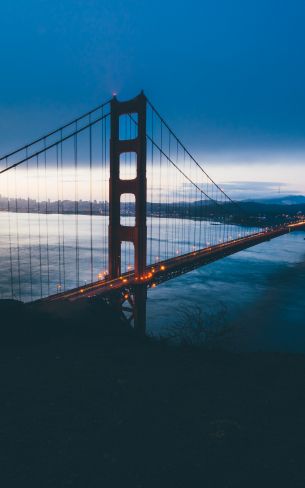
column 43, row 254
column 259, row 293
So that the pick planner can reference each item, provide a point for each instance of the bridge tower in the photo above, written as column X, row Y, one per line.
column 119, row 233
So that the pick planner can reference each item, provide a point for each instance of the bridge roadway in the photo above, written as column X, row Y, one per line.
column 170, row 268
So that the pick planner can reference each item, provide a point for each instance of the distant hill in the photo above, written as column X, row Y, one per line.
column 259, row 208
column 271, row 211
column 283, row 200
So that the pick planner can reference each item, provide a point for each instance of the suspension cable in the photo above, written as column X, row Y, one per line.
column 190, row 155
column 54, row 144
column 60, row 129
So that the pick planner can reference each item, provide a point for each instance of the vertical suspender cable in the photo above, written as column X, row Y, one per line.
column 76, row 208
column 58, row 219
column 159, row 210
column 47, row 217
column 29, row 226
column 151, row 188
column 91, row 203
column 104, row 176
column 17, row 235
column 39, row 229
column 62, row 212
column 104, row 209
column 9, row 230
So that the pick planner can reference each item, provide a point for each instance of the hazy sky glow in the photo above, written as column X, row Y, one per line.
column 229, row 77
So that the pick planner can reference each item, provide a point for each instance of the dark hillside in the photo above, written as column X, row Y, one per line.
column 85, row 404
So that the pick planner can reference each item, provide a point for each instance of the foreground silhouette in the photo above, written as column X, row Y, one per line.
column 84, row 403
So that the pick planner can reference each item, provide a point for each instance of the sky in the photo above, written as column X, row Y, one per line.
column 228, row 76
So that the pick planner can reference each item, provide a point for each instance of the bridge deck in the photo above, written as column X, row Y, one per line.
column 168, row 269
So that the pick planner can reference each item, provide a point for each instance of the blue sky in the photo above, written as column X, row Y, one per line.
column 229, row 76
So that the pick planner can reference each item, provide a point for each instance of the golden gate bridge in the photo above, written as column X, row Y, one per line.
column 110, row 205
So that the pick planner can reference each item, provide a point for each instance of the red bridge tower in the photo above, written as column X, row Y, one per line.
column 119, row 233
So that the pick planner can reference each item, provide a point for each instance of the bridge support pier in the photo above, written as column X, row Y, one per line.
column 118, row 233
column 140, row 297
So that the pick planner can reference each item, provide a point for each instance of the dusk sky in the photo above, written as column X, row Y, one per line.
column 228, row 76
